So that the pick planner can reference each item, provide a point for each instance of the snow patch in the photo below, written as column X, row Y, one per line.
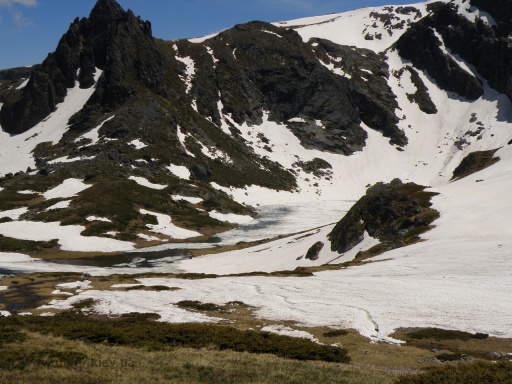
column 68, row 188
column 13, row 214
column 189, row 72
column 146, row 183
column 22, row 85
column 166, row 227
column 193, row 200
column 137, row 144
column 66, row 159
column 69, row 237
column 95, row 218
column 179, row 171
column 287, row 331
column 182, row 137
column 60, row 205
column 94, row 134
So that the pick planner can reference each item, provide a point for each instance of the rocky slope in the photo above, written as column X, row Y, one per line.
column 186, row 134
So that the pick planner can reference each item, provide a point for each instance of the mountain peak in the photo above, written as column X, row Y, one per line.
column 106, row 10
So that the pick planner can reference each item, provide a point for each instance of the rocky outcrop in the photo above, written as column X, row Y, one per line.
column 111, row 40
column 314, row 252
column 394, row 213
column 422, row 47
column 487, row 48
column 258, row 67
column 500, row 10
column 474, row 162
column 421, row 96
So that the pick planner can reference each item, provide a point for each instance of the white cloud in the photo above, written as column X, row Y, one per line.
column 17, row 16
column 10, row 3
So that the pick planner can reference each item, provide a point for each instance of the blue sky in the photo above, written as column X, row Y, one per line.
column 30, row 29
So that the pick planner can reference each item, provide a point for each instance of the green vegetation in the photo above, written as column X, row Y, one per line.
column 197, row 305
column 138, row 332
column 449, row 356
column 335, row 333
column 476, row 373
column 58, row 360
column 444, row 334
column 19, row 360
column 9, row 334
column 9, row 244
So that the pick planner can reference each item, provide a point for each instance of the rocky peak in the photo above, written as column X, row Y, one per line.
column 106, row 11
column 112, row 40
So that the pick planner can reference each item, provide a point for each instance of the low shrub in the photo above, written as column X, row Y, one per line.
column 335, row 333
column 197, row 305
column 9, row 334
column 475, row 373
column 14, row 359
column 449, row 356
column 141, row 333
column 444, row 334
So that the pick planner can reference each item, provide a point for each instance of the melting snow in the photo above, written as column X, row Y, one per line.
column 68, row 188
column 166, row 227
column 193, row 200
column 137, row 144
column 287, row 331
column 146, row 183
column 179, row 171
column 69, row 237
column 13, row 214
column 94, row 134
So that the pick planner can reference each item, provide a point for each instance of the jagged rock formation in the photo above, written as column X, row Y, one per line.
column 111, row 40
column 394, row 213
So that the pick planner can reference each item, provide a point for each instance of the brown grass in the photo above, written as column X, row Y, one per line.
column 108, row 364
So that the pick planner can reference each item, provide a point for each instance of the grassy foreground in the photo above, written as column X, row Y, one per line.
column 101, row 351
column 75, row 348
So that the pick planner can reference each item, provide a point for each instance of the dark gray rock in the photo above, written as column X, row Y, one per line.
column 314, row 252
column 420, row 45
column 392, row 213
